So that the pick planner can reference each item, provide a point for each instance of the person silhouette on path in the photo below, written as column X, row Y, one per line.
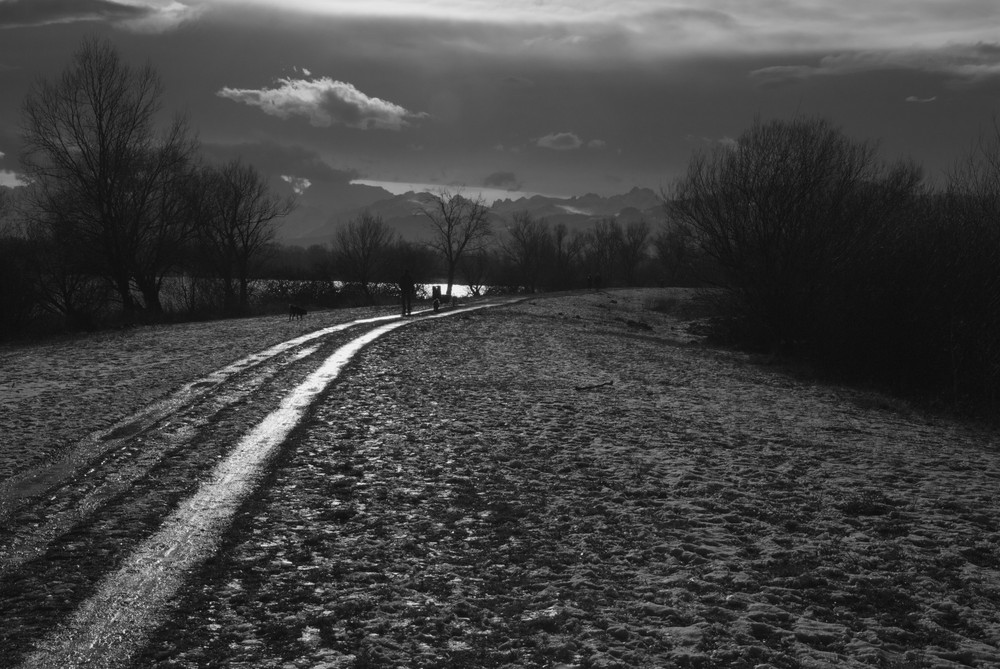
column 407, row 289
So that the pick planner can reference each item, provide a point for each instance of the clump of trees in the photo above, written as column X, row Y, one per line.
column 533, row 255
column 827, row 251
column 115, row 205
column 369, row 257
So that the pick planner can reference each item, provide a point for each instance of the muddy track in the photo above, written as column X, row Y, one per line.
column 70, row 526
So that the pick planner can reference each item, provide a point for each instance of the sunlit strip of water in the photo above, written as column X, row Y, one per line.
column 109, row 627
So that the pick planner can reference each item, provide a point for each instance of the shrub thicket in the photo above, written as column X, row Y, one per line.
column 828, row 252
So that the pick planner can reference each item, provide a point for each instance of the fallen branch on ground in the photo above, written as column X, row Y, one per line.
column 596, row 385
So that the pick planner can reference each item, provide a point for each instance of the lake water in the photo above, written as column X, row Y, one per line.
column 457, row 290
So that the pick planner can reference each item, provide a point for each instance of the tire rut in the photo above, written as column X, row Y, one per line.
column 105, row 547
column 61, row 538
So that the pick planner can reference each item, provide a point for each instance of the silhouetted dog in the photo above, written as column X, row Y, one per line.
column 296, row 312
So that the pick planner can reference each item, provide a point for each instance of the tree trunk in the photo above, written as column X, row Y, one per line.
column 124, row 288
column 228, row 296
column 150, row 289
column 244, row 295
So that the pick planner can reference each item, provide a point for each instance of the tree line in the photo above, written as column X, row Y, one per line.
column 826, row 251
column 114, row 205
column 116, row 208
column 469, row 246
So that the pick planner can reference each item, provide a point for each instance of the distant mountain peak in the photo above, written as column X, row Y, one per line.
column 403, row 212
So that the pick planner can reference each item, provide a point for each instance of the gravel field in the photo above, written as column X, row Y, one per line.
column 573, row 481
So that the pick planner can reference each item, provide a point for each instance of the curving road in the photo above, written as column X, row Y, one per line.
column 152, row 495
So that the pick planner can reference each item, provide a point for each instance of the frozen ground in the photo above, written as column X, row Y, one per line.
column 572, row 481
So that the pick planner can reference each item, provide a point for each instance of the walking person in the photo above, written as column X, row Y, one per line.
column 407, row 289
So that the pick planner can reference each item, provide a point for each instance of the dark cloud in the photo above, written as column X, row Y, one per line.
column 134, row 17
column 17, row 13
column 963, row 62
column 689, row 18
column 280, row 160
column 519, row 88
column 505, row 180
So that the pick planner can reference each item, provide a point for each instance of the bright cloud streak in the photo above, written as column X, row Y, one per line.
column 149, row 16
column 324, row 102
column 676, row 26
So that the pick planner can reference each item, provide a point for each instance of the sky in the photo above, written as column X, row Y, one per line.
column 561, row 97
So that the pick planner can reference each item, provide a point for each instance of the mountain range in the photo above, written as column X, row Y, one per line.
column 316, row 219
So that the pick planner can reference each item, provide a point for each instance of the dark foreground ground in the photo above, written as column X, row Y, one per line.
column 577, row 482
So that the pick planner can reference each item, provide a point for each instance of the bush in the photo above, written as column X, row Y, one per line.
column 828, row 253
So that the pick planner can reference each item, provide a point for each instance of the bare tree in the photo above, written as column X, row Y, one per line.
column 459, row 225
column 18, row 290
column 603, row 245
column 566, row 253
column 528, row 246
column 969, row 273
column 169, row 222
column 6, row 211
column 681, row 260
column 362, row 248
column 93, row 159
column 632, row 248
column 788, row 202
column 475, row 269
column 974, row 181
column 238, row 213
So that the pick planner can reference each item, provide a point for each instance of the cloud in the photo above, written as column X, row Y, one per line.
column 299, row 184
column 504, row 180
column 325, row 102
column 165, row 15
column 593, row 30
column 567, row 141
column 914, row 98
column 560, row 141
column 10, row 179
column 971, row 63
column 148, row 16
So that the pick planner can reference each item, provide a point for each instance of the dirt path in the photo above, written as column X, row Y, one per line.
column 572, row 482
column 104, row 465
column 144, row 461
column 459, row 501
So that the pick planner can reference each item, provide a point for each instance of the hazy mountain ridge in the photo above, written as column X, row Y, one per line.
column 310, row 225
